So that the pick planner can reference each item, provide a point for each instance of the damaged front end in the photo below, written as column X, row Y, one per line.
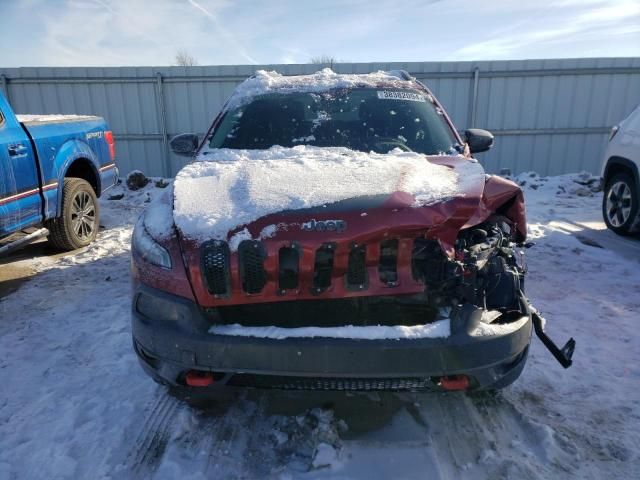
column 381, row 268
column 397, row 298
column 491, row 287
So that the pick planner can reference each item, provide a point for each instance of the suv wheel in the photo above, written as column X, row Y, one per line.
column 620, row 203
column 78, row 225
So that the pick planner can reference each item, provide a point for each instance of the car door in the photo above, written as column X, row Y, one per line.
column 20, row 200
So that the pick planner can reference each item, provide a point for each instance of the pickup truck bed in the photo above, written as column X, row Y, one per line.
column 39, row 155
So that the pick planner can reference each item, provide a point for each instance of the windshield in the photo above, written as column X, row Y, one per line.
column 359, row 119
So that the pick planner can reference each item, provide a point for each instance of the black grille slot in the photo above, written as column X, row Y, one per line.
column 320, row 383
column 288, row 268
column 251, row 255
column 215, row 267
column 428, row 261
column 323, row 267
column 388, row 265
column 357, row 267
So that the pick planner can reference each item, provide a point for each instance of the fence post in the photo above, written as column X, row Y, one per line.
column 163, row 125
column 5, row 87
column 474, row 96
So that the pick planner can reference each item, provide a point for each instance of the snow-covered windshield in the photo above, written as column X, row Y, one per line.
column 364, row 119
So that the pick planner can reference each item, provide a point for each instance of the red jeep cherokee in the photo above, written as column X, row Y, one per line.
column 334, row 232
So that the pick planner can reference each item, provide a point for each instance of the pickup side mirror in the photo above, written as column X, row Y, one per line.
column 184, row 144
column 478, row 140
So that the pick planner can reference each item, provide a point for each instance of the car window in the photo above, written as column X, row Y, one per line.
column 359, row 119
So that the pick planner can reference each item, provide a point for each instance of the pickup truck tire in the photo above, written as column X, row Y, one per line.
column 78, row 225
column 620, row 203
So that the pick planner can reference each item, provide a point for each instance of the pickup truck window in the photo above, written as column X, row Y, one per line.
column 360, row 119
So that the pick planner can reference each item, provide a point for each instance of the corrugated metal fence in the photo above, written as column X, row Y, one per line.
column 551, row 116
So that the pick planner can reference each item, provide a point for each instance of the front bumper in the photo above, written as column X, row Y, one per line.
column 167, row 349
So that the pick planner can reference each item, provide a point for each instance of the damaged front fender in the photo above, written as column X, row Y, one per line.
column 502, row 196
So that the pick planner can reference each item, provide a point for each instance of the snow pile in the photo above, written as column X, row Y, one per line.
column 264, row 82
column 493, row 329
column 325, row 456
column 438, row 329
column 581, row 184
column 53, row 118
column 212, row 198
column 310, row 440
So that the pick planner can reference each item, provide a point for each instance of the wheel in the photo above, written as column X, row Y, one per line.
column 78, row 225
column 620, row 203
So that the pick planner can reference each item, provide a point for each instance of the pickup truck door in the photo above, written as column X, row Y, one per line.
column 20, row 198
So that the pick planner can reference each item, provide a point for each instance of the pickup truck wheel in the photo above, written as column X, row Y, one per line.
column 620, row 203
column 78, row 225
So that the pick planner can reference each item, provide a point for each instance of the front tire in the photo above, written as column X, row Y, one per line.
column 78, row 225
column 620, row 203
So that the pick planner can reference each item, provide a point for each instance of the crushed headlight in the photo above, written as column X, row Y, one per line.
column 145, row 246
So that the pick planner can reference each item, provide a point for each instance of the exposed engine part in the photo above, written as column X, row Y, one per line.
column 494, row 271
column 488, row 270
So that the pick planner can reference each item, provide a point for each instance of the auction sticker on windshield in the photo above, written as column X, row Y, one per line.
column 414, row 97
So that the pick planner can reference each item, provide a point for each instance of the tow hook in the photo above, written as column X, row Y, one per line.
column 562, row 355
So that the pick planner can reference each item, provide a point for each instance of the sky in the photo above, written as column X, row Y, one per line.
column 222, row 32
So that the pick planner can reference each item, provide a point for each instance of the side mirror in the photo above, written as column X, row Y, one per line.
column 478, row 140
column 184, row 144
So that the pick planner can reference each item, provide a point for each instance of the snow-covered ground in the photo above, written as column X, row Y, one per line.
column 75, row 404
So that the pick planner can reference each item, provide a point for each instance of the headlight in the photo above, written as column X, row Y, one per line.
column 145, row 246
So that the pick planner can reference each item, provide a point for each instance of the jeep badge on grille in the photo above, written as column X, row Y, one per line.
column 325, row 226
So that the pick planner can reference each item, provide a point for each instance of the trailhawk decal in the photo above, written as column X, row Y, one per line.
column 413, row 97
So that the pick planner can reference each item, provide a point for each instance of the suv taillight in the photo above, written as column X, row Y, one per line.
column 614, row 130
column 108, row 136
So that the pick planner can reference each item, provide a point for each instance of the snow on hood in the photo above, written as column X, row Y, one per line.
column 158, row 219
column 241, row 186
column 264, row 82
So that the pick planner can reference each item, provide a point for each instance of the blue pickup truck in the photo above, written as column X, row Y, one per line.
column 52, row 170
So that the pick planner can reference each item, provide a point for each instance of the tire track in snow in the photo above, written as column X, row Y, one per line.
column 489, row 432
column 234, row 437
column 458, row 438
column 148, row 448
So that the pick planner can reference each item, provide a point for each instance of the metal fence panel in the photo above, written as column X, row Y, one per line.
column 551, row 116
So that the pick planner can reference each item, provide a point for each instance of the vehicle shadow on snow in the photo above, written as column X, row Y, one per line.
column 452, row 435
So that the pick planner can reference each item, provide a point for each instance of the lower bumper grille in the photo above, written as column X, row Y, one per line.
column 319, row 383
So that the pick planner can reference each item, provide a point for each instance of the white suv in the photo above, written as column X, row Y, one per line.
column 621, row 174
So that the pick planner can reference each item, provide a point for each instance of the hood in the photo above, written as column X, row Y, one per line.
column 330, row 191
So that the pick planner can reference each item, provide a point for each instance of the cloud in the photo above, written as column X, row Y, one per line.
column 216, row 32
column 230, row 39
column 560, row 26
